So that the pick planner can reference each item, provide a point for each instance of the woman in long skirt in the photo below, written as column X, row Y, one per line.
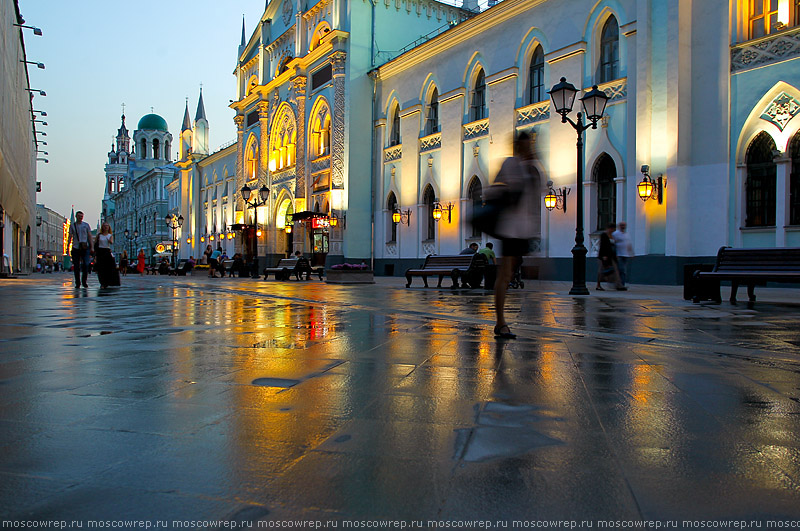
column 107, row 273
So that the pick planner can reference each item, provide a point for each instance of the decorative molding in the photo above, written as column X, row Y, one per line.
column 279, row 177
column 299, row 88
column 538, row 112
column 616, row 90
column 321, row 164
column 764, row 51
column 391, row 248
column 430, row 142
column 338, row 125
column 429, row 247
column 393, row 153
column 781, row 110
column 477, row 129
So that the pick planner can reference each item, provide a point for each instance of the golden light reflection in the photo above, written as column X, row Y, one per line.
column 642, row 375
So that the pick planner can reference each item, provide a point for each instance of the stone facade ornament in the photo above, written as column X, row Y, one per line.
column 781, row 110
column 476, row 129
column 765, row 51
column 337, row 127
column 538, row 112
column 239, row 121
column 393, row 153
column 430, row 142
column 299, row 89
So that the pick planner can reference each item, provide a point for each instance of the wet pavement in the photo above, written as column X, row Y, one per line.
column 174, row 400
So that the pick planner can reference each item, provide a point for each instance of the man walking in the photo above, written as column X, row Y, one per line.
column 80, row 243
column 624, row 248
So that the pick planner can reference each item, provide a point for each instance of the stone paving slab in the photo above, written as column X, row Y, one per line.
column 236, row 400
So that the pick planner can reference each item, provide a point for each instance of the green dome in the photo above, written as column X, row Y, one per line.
column 153, row 122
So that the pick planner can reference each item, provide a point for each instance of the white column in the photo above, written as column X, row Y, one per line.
column 784, row 164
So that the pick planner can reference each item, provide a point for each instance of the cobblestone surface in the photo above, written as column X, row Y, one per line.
column 234, row 399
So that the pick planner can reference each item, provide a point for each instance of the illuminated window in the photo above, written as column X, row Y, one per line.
column 282, row 140
column 111, row 186
column 432, row 121
column 536, row 91
column 760, row 185
column 428, row 198
column 320, row 140
column 608, row 69
column 477, row 110
column 394, row 136
column 251, row 159
column 763, row 17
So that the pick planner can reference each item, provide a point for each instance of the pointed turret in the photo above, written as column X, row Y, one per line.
column 201, row 109
column 123, row 138
column 244, row 42
column 200, row 131
column 187, row 122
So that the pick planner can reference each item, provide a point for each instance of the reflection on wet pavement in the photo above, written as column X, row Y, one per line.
column 205, row 400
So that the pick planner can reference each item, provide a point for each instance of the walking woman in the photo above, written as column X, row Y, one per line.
column 519, row 188
column 107, row 273
column 123, row 263
column 140, row 262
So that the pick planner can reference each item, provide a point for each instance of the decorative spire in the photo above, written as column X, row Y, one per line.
column 201, row 109
column 187, row 122
column 244, row 42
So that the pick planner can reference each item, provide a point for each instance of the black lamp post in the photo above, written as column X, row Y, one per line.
column 173, row 223
column 594, row 104
column 259, row 200
column 130, row 239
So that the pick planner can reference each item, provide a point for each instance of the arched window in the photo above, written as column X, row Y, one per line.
column 251, row 160
column 121, row 184
column 475, row 196
column 761, row 182
column 536, row 92
column 608, row 69
column 166, row 150
column 432, row 121
column 282, row 139
column 391, row 206
column 605, row 171
column 111, row 186
column 320, row 144
column 794, row 182
column 428, row 198
column 477, row 110
column 156, row 154
column 143, row 152
column 394, row 135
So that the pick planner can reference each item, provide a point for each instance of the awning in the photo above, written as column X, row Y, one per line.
column 307, row 214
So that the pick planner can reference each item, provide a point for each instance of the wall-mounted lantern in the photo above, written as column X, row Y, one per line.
column 400, row 216
column 651, row 188
column 439, row 209
column 556, row 198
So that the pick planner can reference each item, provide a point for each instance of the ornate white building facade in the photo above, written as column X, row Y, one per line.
column 344, row 120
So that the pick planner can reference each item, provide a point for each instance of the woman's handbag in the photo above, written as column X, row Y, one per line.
column 486, row 216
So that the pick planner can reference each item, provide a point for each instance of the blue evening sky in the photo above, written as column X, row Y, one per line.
column 149, row 53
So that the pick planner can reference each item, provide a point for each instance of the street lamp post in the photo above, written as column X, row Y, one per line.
column 259, row 200
column 130, row 239
column 594, row 104
column 173, row 223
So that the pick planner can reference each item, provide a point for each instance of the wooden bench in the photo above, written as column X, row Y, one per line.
column 753, row 267
column 468, row 267
column 297, row 266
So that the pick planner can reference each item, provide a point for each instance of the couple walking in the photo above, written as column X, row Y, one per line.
column 83, row 246
column 613, row 254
